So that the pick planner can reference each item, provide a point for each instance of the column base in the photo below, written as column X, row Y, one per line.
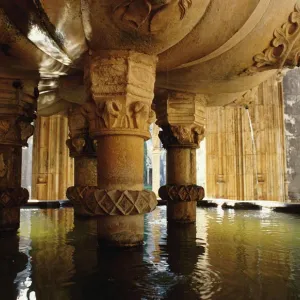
column 182, row 202
column 120, row 231
column 11, row 199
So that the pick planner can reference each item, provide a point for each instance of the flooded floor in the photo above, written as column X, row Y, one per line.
column 226, row 255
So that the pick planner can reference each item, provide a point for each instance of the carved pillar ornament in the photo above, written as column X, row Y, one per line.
column 181, row 117
column 121, row 87
column 17, row 112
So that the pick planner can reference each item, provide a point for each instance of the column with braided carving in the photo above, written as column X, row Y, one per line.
column 181, row 118
column 17, row 111
column 121, row 86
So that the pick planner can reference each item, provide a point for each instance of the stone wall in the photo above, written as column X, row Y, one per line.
column 241, row 167
column 291, row 87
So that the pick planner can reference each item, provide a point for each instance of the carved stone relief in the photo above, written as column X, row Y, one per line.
column 114, row 115
column 282, row 50
column 93, row 201
column 133, row 14
column 179, row 193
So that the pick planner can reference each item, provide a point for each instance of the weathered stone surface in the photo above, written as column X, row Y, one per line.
column 291, row 89
column 94, row 201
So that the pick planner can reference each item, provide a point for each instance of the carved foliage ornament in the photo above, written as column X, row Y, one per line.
column 135, row 13
column 189, row 136
column 282, row 49
column 92, row 201
column 181, row 193
column 113, row 114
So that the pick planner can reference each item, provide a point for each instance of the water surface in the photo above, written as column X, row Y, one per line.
column 226, row 255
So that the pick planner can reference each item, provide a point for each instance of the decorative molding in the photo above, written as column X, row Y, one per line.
column 134, row 14
column 93, row 201
column 181, row 136
column 13, row 197
column 282, row 50
column 181, row 193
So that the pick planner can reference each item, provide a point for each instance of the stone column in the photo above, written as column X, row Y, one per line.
column 156, row 152
column 121, row 85
column 17, row 111
column 83, row 150
column 52, row 170
column 181, row 117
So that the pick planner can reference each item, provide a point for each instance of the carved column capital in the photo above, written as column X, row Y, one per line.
column 181, row 136
column 17, row 112
column 121, row 85
column 80, row 143
column 181, row 117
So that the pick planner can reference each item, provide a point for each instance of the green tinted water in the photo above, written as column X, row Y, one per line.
column 226, row 255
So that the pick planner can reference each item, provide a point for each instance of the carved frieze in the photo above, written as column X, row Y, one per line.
column 93, row 201
column 137, row 14
column 13, row 197
column 284, row 49
column 181, row 193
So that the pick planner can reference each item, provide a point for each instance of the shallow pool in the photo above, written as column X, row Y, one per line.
column 226, row 255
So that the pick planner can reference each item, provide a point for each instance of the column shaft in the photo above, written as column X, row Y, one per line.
column 182, row 131
column 119, row 114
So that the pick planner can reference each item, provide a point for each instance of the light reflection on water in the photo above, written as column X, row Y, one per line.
column 227, row 255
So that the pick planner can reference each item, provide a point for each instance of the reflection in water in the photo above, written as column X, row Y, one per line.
column 226, row 255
